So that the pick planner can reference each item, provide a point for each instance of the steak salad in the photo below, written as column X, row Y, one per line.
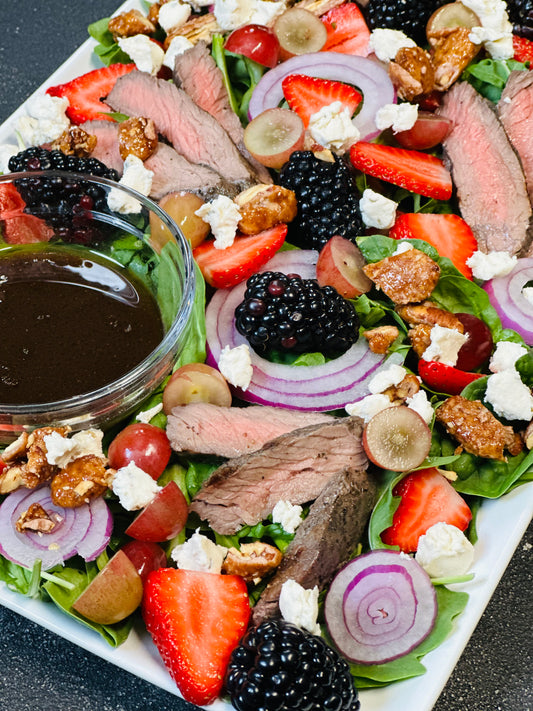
column 358, row 377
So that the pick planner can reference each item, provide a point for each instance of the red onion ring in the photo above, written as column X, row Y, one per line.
column 84, row 530
column 505, row 295
column 368, row 75
column 380, row 606
column 321, row 387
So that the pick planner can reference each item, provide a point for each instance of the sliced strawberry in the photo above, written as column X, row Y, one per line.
column 306, row 95
column 444, row 378
column 416, row 171
column 85, row 93
column 427, row 497
column 195, row 619
column 11, row 202
column 224, row 268
column 347, row 30
column 449, row 234
column 523, row 49
column 26, row 229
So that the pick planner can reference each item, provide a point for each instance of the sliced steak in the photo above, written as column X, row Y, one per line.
column 490, row 184
column 294, row 467
column 106, row 149
column 515, row 110
column 196, row 72
column 325, row 540
column 193, row 132
column 231, row 431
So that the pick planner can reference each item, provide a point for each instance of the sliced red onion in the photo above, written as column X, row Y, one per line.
column 505, row 295
column 368, row 75
column 321, row 387
column 85, row 530
column 380, row 607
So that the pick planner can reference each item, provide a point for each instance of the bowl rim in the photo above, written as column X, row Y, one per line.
column 178, row 326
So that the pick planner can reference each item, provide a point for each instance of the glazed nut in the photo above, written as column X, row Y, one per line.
column 528, row 436
column 263, row 206
column 36, row 518
column 253, row 561
column 11, row 478
column 452, row 52
column 75, row 142
column 17, row 449
column 138, row 137
column 82, row 479
column 380, row 338
column 412, row 72
column 129, row 24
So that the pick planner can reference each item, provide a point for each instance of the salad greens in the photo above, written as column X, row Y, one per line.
column 489, row 76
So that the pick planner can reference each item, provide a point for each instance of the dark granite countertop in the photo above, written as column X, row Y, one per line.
column 41, row 670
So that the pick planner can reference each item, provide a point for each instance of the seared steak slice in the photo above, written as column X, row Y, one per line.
column 193, row 132
column 325, row 540
column 231, row 431
column 294, row 467
column 106, row 149
column 490, row 183
column 515, row 110
column 196, row 72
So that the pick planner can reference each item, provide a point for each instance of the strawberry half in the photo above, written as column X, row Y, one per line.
column 347, row 30
column 523, row 50
column 11, row 202
column 427, row 497
column 25, row 229
column 449, row 234
column 195, row 619
column 416, row 171
column 85, row 93
column 306, row 95
column 224, row 268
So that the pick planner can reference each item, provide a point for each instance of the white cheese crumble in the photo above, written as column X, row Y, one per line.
column 420, row 404
column 377, row 210
column 46, row 120
column 445, row 345
column 505, row 356
column 444, row 551
column 492, row 265
column 509, row 396
column 235, row 364
column 299, row 606
column 368, row 406
column 332, row 128
column 399, row 117
column 146, row 415
column 61, row 450
column 173, row 14
column 496, row 32
column 135, row 176
column 177, row 46
column 402, row 247
column 134, row 487
column 147, row 55
column 264, row 12
column 288, row 515
column 6, row 151
column 231, row 14
column 386, row 378
column 223, row 216
column 199, row 553
column 385, row 43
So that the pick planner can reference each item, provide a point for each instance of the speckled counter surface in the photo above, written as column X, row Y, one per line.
column 41, row 670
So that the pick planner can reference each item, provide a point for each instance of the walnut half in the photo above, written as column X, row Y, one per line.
column 263, row 206
column 253, row 561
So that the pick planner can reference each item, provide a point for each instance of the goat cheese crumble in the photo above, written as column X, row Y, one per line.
column 235, row 364
column 505, row 356
column 384, row 379
column 288, row 515
column 46, row 120
column 445, row 345
column 135, row 176
column 377, row 210
column 147, row 55
column 223, row 216
column 368, row 406
column 134, row 487
column 299, row 606
column 509, row 396
column 61, row 450
column 332, row 127
column 146, row 415
column 444, row 551
column 399, row 117
column 173, row 14
column 385, row 43
column 231, row 14
column 177, row 46
column 495, row 32
column 199, row 553
column 492, row 265
column 420, row 404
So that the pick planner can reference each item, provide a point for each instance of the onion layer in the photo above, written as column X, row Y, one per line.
column 369, row 76
column 320, row 387
column 84, row 530
column 505, row 295
column 380, row 606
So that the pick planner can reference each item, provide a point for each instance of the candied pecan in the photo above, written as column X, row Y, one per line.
column 37, row 469
column 263, row 206
column 407, row 277
column 129, row 24
column 420, row 337
column 407, row 388
column 528, row 436
column 36, row 518
column 17, row 449
column 253, row 561
column 476, row 429
column 82, row 479
column 427, row 312
column 138, row 137
column 452, row 53
column 153, row 12
column 412, row 72
column 11, row 478
column 75, row 142
column 380, row 338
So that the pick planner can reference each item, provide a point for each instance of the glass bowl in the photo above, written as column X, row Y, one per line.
column 46, row 222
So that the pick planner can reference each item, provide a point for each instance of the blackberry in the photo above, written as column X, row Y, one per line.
column 328, row 200
column 521, row 15
column 278, row 666
column 64, row 203
column 289, row 314
column 409, row 16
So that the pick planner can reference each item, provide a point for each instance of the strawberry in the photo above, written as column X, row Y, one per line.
column 347, row 30
column 444, row 378
column 523, row 49
column 26, row 229
column 306, row 95
column 427, row 497
column 224, row 268
column 11, row 202
column 85, row 93
column 195, row 619
column 449, row 234
column 416, row 171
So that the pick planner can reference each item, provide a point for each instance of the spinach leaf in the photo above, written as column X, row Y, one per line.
column 524, row 365
column 489, row 76
column 107, row 49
